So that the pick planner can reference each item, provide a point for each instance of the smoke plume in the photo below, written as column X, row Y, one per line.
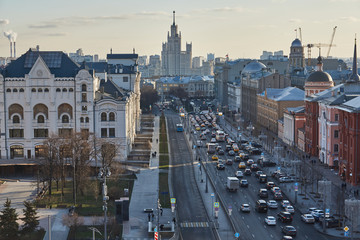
column 10, row 35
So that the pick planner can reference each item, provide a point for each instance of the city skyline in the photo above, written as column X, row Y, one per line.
column 238, row 28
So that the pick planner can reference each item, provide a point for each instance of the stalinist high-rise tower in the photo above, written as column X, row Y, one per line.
column 174, row 61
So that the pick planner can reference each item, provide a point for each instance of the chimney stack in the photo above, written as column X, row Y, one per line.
column 11, row 49
column 14, row 50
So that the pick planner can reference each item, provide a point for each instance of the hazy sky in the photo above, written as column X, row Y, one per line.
column 241, row 28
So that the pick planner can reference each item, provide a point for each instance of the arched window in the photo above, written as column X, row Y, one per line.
column 58, row 90
column 16, row 119
column 65, row 119
column 81, row 119
column 15, row 90
column 103, row 117
column 8, row 90
column 46, row 90
column 111, row 116
column 40, row 90
column 71, row 89
column 83, row 88
column 40, row 108
column 64, row 90
column 40, row 119
column 87, row 119
column 21, row 90
column 33, row 90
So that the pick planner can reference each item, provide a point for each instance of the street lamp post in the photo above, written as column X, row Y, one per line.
column 103, row 174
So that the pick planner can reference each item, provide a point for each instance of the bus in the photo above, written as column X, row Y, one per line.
column 220, row 136
column 179, row 127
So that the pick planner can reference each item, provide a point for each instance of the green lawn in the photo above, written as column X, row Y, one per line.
column 164, row 161
column 83, row 232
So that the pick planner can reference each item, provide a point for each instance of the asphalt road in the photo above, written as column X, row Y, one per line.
column 190, row 208
column 251, row 225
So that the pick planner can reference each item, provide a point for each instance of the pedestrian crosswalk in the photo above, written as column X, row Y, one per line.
column 194, row 224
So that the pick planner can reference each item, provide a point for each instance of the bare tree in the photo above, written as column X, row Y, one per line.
column 73, row 221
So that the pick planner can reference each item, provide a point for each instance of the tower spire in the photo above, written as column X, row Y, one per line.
column 174, row 18
column 354, row 77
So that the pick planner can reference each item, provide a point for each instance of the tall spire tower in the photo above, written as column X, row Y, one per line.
column 354, row 77
column 174, row 18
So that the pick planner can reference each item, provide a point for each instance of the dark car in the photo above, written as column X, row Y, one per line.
column 221, row 152
column 245, row 157
column 255, row 151
column 289, row 230
column 261, row 206
column 237, row 159
column 256, row 145
column 220, row 166
column 231, row 153
column 254, row 167
column 247, row 172
column 285, row 217
column 266, row 163
column 263, row 193
column 244, row 183
column 228, row 148
column 258, row 173
column 332, row 222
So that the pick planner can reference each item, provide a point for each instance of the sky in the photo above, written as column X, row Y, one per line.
column 239, row 28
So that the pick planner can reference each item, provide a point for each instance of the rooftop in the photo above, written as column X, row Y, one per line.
column 284, row 94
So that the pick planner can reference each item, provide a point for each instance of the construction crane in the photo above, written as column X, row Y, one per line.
column 331, row 41
column 300, row 34
column 318, row 45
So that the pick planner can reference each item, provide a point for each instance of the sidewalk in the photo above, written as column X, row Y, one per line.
column 303, row 204
column 58, row 230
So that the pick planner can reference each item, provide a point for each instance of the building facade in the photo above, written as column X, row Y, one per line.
column 294, row 119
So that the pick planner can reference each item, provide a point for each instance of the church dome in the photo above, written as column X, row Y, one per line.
column 296, row 43
column 319, row 76
column 253, row 67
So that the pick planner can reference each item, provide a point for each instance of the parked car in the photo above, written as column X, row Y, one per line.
column 285, row 180
column 239, row 174
column 270, row 220
column 272, row 204
column 289, row 230
column 308, row 218
column 317, row 214
column 332, row 222
column 245, row 207
column 255, row 151
column 244, row 183
column 285, row 217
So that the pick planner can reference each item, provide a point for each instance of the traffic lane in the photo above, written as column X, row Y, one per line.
column 190, row 207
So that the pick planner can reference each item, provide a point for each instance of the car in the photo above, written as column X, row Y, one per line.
column 308, row 218
column 270, row 185
column 255, row 151
column 262, row 178
column 245, row 207
column 213, row 134
column 270, row 220
column 285, row 203
column 285, row 180
column 221, row 152
column 231, row 153
column 287, row 238
column 203, row 137
column 218, row 148
column 254, row 167
column 289, row 230
column 275, row 190
column 244, row 183
column 213, row 140
column 250, row 162
column 237, row 159
column 258, row 173
column 278, row 196
column 242, row 165
column 245, row 157
column 228, row 148
column 285, row 217
column 261, row 206
column 272, row 204
column 263, row 193
column 239, row 174
column 229, row 162
column 332, row 222
column 220, row 166
column 214, row 157
column 290, row 209
column 317, row 214
column 247, row 172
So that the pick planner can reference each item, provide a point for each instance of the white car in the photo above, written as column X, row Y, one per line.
column 290, row 209
column 270, row 220
column 272, row 204
column 308, row 218
column 239, row 174
column 285, row 203
column 213, row 140
column 317, row 213
column 310, row 210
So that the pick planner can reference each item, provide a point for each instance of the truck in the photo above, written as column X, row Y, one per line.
column 211, row 147
column 232, row 184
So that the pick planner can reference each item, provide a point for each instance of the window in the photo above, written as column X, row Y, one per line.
column 21, row 90
column 16, row 119
column 41, row 133
column 16, row 151
column 336, row 134
column 111, row 132
column 64, row 90
column 65, row 119
column 71, row 89
column 39, row 151
column 40, row 90
column 336, row 117
column 46, row 90
column 111, row 117
column 87, row 119
column 33, row 90
column 104, row 132
column 15, row 90
column 83, row 108
column 8, row 90
column 103, row 117
column 84, row 97
column 83, row 88
column 336, row 148
column 40, row 119
column 58, row 90
column 16, row 133
column 81, row 119
column 65, row 132
column 125, row 79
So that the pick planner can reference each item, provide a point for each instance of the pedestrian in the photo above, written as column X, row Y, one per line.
column 157, row 140
column 148, row 217
column 161, row 211
column 174, row 220
column 152, row 215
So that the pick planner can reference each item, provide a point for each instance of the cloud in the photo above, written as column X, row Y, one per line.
column 55, row 34
column 295, row 20
column 4, row 21
column 344, row 0
column 223, row 9
column 44, row 25
column 350, row 19
column 279, row 1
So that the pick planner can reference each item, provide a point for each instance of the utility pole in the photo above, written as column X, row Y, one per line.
column 103, row 174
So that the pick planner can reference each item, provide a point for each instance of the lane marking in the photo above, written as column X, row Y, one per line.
column 248, row 226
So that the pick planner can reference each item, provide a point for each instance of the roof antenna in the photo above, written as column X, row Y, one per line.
column 295, row 32
column 110, row 50
column 133, row 50
column 173, row 17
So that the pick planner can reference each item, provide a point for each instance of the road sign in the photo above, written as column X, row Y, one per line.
column 173, row 200
column 346, row 228
column 327, row 212
column 216, row 204
column 237, row 234
column 346, row 234
column 279, row 168
column 213, row 195
column 296, row 188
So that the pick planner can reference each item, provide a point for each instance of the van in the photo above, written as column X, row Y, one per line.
column 261, row 206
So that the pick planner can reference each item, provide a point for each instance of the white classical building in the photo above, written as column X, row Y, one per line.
column 45, row 92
